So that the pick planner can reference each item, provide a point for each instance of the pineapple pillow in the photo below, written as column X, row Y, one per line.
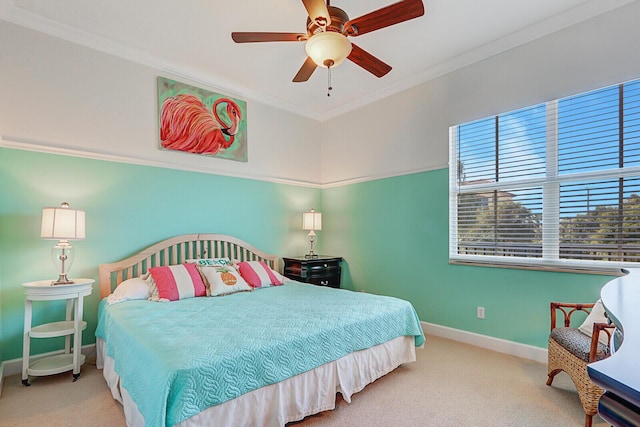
column 223, row 280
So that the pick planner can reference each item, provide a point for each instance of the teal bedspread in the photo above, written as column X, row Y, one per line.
column 176, row 359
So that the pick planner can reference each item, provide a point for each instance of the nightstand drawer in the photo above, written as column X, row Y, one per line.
column 332, row 282
column 323, row 271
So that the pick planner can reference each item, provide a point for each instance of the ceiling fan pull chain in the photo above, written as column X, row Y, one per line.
column 329, row 88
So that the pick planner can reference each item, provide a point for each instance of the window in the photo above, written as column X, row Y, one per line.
column 555, row 184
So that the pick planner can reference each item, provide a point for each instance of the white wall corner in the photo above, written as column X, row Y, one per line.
column 500, row 345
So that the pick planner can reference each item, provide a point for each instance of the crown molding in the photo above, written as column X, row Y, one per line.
column 15, row 15
column 49, row 148
column 17, row 143
column 375, row 177
column 543, row 28
column 11, row 13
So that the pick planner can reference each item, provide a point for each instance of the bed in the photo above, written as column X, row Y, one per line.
column 261, row 358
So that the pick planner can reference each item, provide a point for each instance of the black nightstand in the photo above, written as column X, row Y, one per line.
column 324, row 270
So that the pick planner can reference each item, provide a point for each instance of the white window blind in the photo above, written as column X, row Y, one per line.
column 554, row 184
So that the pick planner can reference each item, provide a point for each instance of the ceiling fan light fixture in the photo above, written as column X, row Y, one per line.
column 328, row 48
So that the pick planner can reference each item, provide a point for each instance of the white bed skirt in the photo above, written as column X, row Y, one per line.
column 289, row 400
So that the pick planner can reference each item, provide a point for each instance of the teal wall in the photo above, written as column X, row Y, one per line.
column 128, row 207
column 393, row 234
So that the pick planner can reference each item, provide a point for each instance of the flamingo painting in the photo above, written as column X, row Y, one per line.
column 187, row 124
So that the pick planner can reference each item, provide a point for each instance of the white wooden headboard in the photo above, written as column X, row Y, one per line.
column 177, row 249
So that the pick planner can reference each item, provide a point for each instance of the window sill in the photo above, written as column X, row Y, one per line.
column 606, row 271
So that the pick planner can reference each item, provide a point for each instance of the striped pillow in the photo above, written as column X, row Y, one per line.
column 176, row 282
column 257, row 274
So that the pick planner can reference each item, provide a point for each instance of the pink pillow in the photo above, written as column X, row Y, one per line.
column 257, row 274
column 176, row 282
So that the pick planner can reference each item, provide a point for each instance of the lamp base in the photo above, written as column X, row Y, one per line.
column 62, row 256
column 312, row 240
column 62, row 280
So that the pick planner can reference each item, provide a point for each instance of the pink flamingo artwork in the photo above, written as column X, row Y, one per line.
column 187, row 125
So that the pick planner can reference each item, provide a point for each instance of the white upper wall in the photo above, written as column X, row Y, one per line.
column 62, row 97
column 408, row 132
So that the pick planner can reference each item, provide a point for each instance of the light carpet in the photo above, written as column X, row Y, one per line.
column 450, row 384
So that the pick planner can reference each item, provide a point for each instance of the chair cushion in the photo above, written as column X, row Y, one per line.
column 577, row 343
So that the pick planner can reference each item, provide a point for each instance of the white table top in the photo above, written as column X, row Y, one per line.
column 45, row 288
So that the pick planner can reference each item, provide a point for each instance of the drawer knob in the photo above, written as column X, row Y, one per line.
column 325, row 266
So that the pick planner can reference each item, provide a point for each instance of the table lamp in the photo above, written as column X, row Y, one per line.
column 312, row 221
column 62, row 224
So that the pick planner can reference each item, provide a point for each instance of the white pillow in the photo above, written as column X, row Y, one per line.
column 130, row 289
column 596, row 316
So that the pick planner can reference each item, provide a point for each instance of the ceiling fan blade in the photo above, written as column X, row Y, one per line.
column 248, row 37
column 305, row 71
column 385, row 17
column 318, row 12
column 367, row 61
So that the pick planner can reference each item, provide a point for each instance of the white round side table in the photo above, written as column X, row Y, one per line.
column 72, row 358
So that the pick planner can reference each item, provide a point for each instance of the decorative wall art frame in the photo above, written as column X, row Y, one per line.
column 199, row 121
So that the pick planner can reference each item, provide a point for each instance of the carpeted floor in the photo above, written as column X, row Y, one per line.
column 451, row 384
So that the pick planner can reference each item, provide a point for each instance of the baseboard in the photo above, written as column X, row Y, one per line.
column 1, row 376
column 500, row 345
column 14, row 366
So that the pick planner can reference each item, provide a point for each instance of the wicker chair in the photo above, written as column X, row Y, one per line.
column 570, row 350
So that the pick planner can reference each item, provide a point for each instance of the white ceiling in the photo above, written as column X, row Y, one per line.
column 191, row 38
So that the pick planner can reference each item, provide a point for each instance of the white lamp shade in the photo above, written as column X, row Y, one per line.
column 312, row 220
column 328, row 48
column 62, row 223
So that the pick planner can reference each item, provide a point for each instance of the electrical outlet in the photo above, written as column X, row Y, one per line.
column 480, row 312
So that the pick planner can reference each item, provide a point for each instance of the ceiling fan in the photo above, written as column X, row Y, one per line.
column 327, row 30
